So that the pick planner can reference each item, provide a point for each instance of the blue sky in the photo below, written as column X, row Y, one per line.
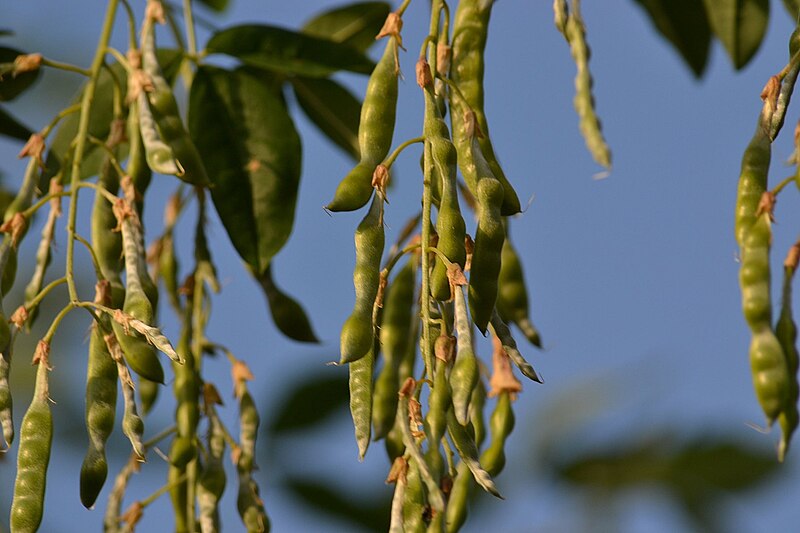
column 633, row 278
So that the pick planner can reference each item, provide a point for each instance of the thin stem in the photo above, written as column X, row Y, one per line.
column 188, row 21
column 427, row 200
column 61, row 114
column 389, row 161
column 65, row 66
column 112, row 158
column 396, row 257
column 402, row 8
column 159, row 437
column 779, row 187
column 44, row 200
column 163, row 490
column 83, row 130
column 44, row 292
column 97, row 270
column 131, row 24
column 48, row 337
column 120, row 57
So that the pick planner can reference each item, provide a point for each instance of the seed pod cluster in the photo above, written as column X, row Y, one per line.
column 433, row 425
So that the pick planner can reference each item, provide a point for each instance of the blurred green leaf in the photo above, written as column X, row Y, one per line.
column 684, row 24
column 10, row 127
column 369, row 512
column 720, row 466
column 252, row 152
column 355, row 24
column 332, row 108
column 740, row 25
column 281, row 50
column 216, row 5
column 793, row 7
column 288, row 315
column 310, row 402
column 12, row 86
column 697, row 473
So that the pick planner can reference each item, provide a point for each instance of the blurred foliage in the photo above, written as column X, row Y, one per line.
column 691, row 25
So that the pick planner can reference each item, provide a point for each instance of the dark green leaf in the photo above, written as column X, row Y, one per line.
column 285, row 51
column 369, row 512
column 310, row 402
column 10, row 127
column 332, row 108
column 720, row 465
column 793, row 7
column 216, row 5
column 740, row 25
column 684, row 24
column 355, row 24
column 252, row 152
column 11, row 86
column 100, row 117
column 288, row 315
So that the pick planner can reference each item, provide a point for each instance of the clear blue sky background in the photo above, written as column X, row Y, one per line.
column 633, row 278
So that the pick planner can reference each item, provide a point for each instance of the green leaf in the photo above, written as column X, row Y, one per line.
column 252, row 152
column 10, row 127
column 100, row 118
column 740, row 25
column 684, row 24
column 793, row 8
column 369, row 512
column 216, row 5
column 332, row 108
column 280, row 50
column 311, row 402
column 355, row 25
column 288, row 315
column 11, row 86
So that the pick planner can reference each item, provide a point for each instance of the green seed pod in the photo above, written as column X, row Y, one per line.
column 414, row 506
column 360, row 383
column 106, row 237
column 186, row 388
column 250, row 507
column 501, row 424
column 468, row 452
column 375, row 129
column 6, row 402
column 574, row 31
column 148, row 394
column 512, row 295
column 786, row 332
column 35, row 440
column 464, row 375
column 101, row 402
column 139, row 354
column 489, row 238
column 137, row 167
column 167, row 117
column 159, row 155
column 501, row 331
column 43, row 255
column 449, row 222
column 753, row 232
column 212, row 480
column 178, row 495
column 358, row 332
column 395, row 338
column 457, row 504
column 439, row 403
column 476, row 404
column 470, row 31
